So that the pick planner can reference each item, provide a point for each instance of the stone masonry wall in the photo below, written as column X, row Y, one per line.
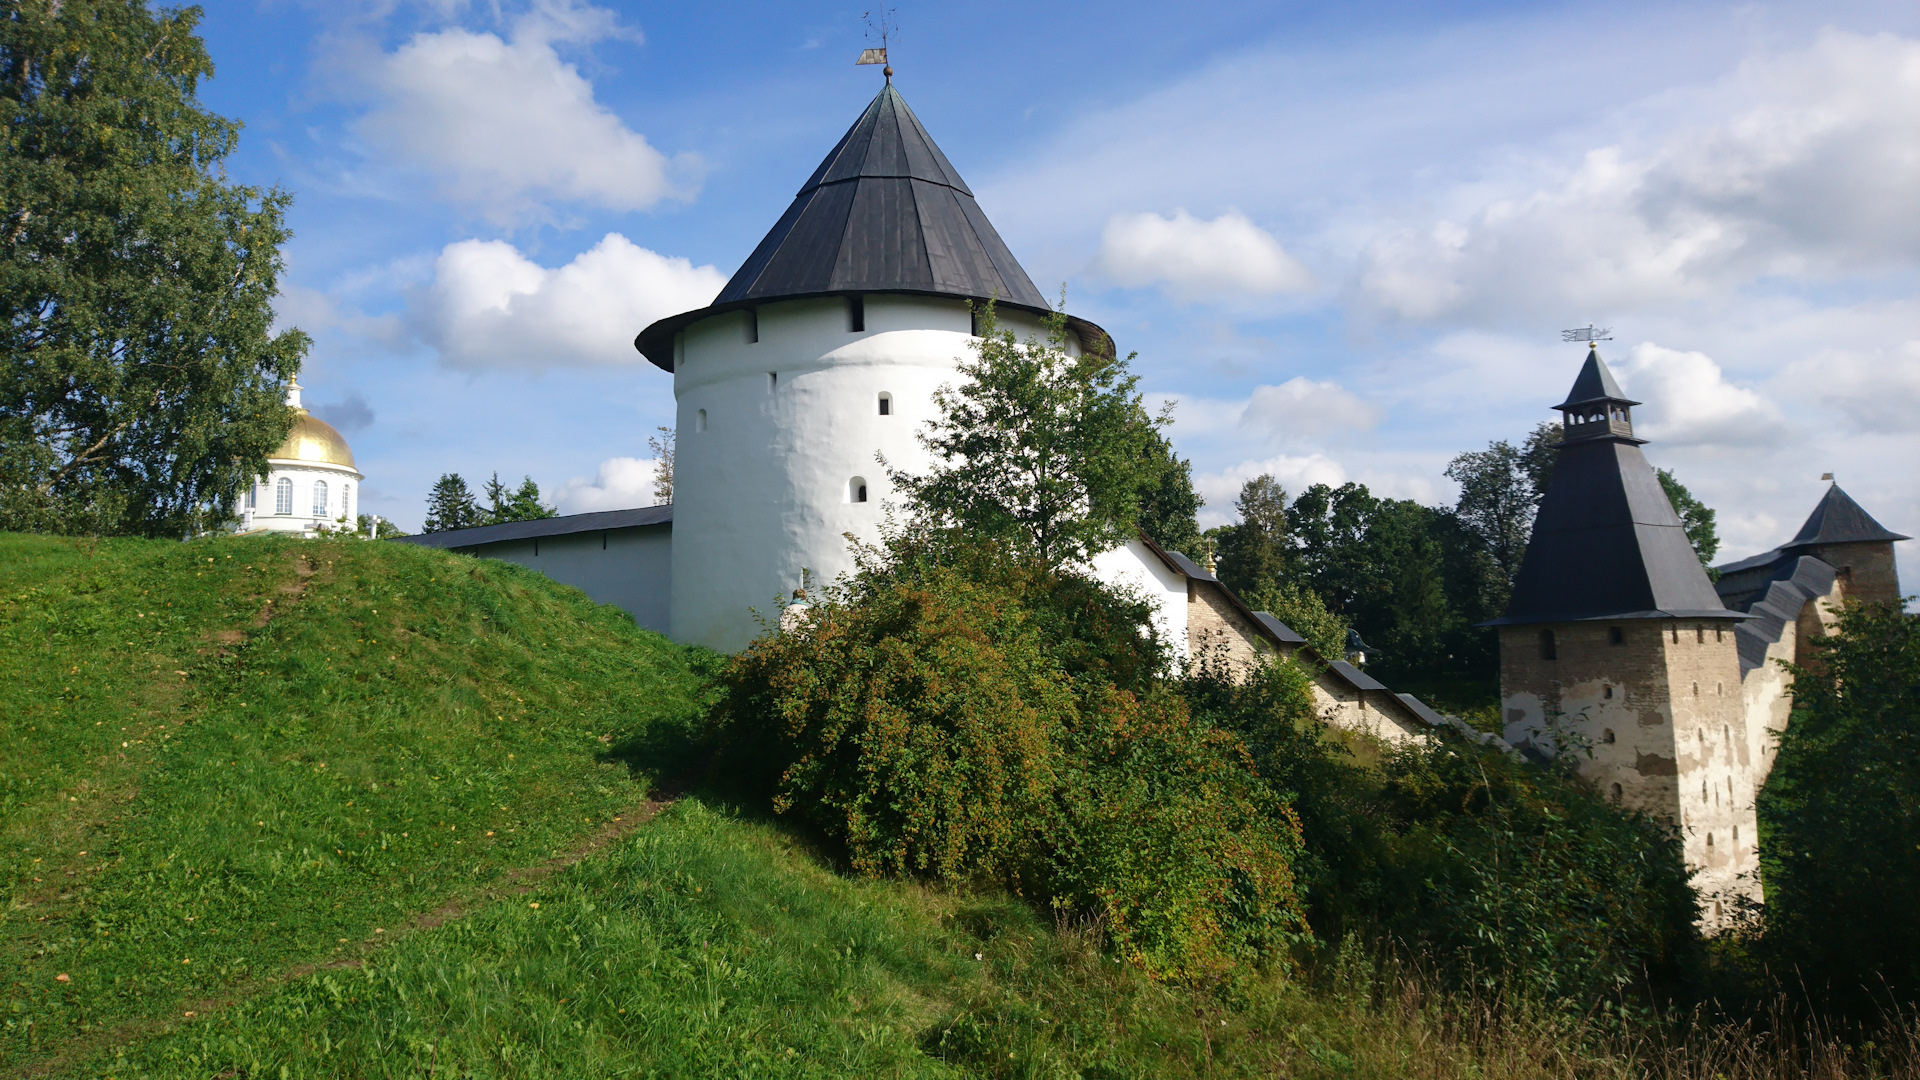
column 1658, row 705
column 1867, row 571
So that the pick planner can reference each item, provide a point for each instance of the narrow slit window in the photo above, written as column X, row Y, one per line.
column 857, row 489
column 886, row 404
column 975, row 327
column 1548, row 649
column 773, row 381
column 1607, row 692
column 753, row 326
column 1700, row 635
column 700, row 420
column 857, row 314
column 1616, row 636
column 1616, row 793
column 1606, row 736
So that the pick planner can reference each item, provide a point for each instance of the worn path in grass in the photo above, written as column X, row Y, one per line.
column 226, row 760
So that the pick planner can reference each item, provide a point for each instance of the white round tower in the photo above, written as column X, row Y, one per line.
column 820, row 355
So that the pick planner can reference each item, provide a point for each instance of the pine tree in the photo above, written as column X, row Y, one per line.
column 450, row 505
column 1253, row 551
column 141, row 382
column 525, row 504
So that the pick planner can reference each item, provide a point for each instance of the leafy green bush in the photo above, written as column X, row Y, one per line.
column 1840, row 817
column 958, row 713
column 1497, row 870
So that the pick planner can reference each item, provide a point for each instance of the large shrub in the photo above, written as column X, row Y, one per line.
column 1494, row 869
column 959, row 713
column 1840, row 817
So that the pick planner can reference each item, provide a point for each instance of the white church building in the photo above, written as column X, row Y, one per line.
column 311, row 482
column 819, row 358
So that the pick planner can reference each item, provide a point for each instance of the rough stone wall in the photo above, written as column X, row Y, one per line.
column 1867, row 571
column 1765, row 692
column 1659, row 705
column 1219, row 633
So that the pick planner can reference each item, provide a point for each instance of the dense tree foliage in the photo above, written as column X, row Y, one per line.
column 450, row 505
column 1695, row 515
column 518, row 504
column 140, row 377
column 1048, row 451
column 1840, row 817
column 1169, row 506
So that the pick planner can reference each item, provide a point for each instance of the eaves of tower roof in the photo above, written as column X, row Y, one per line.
column 1839, row 520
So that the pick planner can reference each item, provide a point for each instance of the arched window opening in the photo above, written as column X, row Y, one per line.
column 1606, row 735
column 1607, row 692
column 319, row 498
column 700, row 420
column 1548, row 650
column 283, row 496
column 1616, row 793
column 886, row 404
column 857, row 489
column 1616, row 636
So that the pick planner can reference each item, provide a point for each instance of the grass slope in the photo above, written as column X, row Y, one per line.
column 282, row 808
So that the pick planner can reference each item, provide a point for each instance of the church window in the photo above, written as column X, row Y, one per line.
column 1616, row 636
column 319, row 498
column 700, row 420
column 886, row 404
column 753, row 326
column 1548, row 650
column 857, row 489
column 283, row 496
column 1606, row 736
column 856, row 314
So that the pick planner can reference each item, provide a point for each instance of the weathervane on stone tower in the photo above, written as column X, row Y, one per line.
column 1588, row 333
column 884, row 28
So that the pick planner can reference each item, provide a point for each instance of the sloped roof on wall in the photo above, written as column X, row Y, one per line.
column 564, row 525
column 885, row 212
column 1778, row 604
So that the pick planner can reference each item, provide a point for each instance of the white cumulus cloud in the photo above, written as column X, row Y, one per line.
column 1303, row 407
column 1808, row 174
column 621, row 483
column 488, row 305
column 1193, row 259
column 507, row 124
column 1295, row 472
column 1690, row 402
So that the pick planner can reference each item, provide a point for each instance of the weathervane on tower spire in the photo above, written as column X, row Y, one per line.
column 884, row 28
column 1588, row 333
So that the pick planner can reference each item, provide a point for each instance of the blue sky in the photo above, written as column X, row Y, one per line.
column 1343, row 238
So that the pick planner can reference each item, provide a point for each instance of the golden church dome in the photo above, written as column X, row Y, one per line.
column 314, row 440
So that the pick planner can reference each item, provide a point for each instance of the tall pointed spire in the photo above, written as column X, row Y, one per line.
column 1606, row 543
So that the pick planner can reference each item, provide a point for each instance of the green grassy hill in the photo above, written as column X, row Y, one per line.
column 283, row 808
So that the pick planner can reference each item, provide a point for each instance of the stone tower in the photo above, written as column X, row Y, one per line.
column 1844, row 536
column 1616, row 645
column 821, row 355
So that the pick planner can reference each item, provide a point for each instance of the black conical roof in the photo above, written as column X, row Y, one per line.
column 1606, row 543
column 1595, row 384
column 1839, row 520
column 885, row 212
